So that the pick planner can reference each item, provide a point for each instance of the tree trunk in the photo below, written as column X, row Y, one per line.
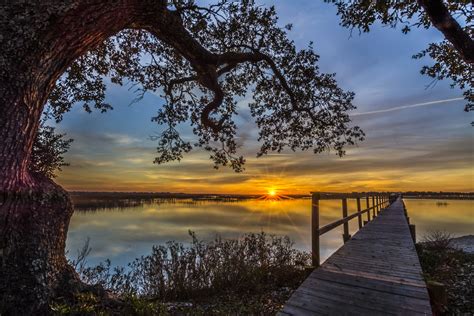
column 33, row 226
column 39, row 40
column 34, row 211
column 37, row 47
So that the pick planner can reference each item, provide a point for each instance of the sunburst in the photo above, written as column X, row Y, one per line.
column 273, row 195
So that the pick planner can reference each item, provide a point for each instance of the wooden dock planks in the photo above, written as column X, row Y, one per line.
column 377, row 272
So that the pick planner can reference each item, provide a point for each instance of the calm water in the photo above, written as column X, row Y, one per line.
column 122, row 234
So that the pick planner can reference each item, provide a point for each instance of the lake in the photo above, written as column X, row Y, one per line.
column 125, row 233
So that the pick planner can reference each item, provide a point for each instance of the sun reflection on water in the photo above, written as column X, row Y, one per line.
column 127, row 233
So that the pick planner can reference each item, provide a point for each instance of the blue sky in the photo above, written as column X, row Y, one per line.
column 428, row 147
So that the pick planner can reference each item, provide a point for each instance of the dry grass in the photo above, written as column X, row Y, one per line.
column 254, row 274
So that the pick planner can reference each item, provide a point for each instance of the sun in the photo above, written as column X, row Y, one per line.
column 273, row 195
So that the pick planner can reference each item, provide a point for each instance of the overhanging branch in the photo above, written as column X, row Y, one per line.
column 442, row 19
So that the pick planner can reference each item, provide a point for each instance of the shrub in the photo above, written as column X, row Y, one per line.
column 251, row 266
column 452, row 267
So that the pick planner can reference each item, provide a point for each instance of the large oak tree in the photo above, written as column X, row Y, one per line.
column 58, row 52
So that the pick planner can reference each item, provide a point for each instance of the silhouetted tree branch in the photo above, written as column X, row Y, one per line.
column 454, row 57
column 442, row 19
column 201, row 58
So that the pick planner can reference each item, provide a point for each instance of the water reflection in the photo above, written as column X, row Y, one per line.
column 122, row 234
column 453, row 216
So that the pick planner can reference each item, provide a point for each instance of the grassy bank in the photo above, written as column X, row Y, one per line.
column 252, row 275
column 445, row 266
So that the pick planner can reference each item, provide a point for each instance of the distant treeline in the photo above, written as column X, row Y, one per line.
column 408, row 195
column 439, row 195
column 94, row 200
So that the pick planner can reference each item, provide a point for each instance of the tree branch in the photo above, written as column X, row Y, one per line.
column 441, row 18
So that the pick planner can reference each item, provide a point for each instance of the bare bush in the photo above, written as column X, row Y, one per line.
column 252, row 263
column 437, row 240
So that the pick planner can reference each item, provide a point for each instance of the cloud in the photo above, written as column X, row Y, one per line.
column 121, row 139
column 136, row 160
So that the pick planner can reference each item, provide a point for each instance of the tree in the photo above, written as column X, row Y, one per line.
column 48, row 150
column 453, row 57
column 198, row 58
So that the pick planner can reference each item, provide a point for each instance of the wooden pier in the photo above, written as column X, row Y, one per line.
column 376, row 272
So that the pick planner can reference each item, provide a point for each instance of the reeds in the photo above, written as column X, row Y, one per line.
column 251, row 264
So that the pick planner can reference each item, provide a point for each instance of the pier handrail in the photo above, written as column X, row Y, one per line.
column 379, row 201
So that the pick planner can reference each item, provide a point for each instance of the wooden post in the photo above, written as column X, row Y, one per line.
column 358, row 210
column 438, row 296
column 367, row 202
column 373, row 205
column 377, row 203
column 346, row 235
column 315, row 230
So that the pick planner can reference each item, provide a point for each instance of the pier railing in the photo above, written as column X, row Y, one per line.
column 379, row 201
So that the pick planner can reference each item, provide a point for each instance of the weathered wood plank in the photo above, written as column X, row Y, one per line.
column 377, row 272
column 364, row 296
column 379, row 285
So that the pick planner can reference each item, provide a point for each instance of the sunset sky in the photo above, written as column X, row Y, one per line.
column 418, row 138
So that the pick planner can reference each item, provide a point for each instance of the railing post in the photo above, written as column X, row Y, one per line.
column 378, row 204
column 315, row 229
column 367, row 202
column 346, row 235
column 373, row 205
column 358, row 211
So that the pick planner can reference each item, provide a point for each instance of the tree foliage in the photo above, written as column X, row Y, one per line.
column 241, row 48
column 453, row 57
column 48, row 150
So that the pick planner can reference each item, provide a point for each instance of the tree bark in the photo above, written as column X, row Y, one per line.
column 442, row 19
column 34, row 211
column 33, row 229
